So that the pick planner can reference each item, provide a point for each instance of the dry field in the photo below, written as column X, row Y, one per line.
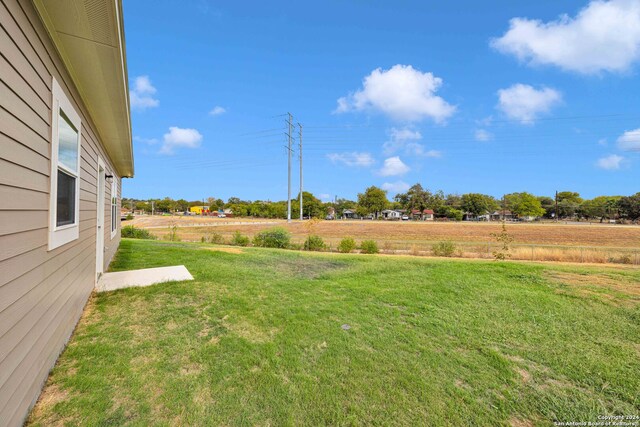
column 547, row 241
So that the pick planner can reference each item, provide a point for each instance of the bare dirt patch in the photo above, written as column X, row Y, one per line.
column 50, row 397
column 226, row 250
column 618, row 283
column 519, row 422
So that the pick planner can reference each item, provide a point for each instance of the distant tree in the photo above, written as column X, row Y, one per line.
column 182, row 205
column 454, row 200
column 446, row 211
column 478, row 204
column 215, row 204
column 548, row 204
column 630, row 207
column 524, row 204
column 372, row 201
column 568, row 204
column 143, row 206
column 165, row 205
column 601, row 207
column 311, row 206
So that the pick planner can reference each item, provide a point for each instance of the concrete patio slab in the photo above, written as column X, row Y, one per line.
column 143, row 277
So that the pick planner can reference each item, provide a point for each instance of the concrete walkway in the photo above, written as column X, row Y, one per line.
column 144, row 277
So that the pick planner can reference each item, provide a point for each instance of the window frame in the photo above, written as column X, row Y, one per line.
column 61, row 235
column 115, row 216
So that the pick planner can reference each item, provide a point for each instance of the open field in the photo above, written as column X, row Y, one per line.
column 598, row 243
column 272, row 337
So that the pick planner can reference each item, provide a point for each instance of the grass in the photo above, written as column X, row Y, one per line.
column 258, row 339
column 588, row 243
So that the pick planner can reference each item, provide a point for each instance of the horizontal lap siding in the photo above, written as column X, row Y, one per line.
column 42, row 293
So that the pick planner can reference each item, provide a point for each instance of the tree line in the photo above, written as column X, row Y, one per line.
column 374, row 200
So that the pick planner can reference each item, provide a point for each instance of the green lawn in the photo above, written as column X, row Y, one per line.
column 258, row 339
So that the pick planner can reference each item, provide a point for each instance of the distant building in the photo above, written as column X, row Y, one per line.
column 199, row 210
column 392, row 214
column 427, row 215
column 349, row 214
column 501, row 216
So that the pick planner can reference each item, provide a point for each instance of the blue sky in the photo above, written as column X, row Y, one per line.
column 490, row 97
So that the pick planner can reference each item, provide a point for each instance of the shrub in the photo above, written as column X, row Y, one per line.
column 172, row 236
column 136, row 233
column 445, row 248
column 239, row 239
column 504, row 239
column 129, row 217
column 216, row 238
column 276, row 237
column 314, row 243
column 347, row 245
column 369, row 247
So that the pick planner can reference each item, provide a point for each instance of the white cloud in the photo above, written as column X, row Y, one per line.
column 405, row 140
column 432, row 153
column 630, row 140
column 141, row 95
column 400, row 139
column 604, row 36
column 148, row 141
column 402, row 93
column 394, row 166
column 611, row 162
column 325, row 197
column 395, row 187
column 525, row 103
column 180, row 138
column 482, row 135
column 217, row 110
column 352, row 159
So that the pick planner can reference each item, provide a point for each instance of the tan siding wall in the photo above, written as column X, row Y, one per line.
column 42, row 293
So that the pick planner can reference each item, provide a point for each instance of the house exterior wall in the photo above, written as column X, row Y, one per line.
column 42, row 292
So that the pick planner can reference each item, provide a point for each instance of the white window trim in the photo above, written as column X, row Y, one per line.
column 115, row 220
column 59, row 236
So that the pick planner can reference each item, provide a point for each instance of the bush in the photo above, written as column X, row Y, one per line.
column 347, row 245
column 216, row 238
column 129, row 217
column 369, row 247
column 445, row 248
column 314, row 243
column 136, row 233
column 172, row 236
column 276, row 237
column 239, row 239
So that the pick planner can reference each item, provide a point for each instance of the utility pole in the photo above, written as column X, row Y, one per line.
column 289, row 122
column 153, row 207
column 300, row 150
column 556, row 213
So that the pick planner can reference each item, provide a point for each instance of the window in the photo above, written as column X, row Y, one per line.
column 65, row 170
column 114, row 207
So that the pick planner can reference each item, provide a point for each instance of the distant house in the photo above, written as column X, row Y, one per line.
column 427, row 215
column 199, row 210
column 65, row 146
column 392, row 214
column 501, row 215
column 349, row 214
